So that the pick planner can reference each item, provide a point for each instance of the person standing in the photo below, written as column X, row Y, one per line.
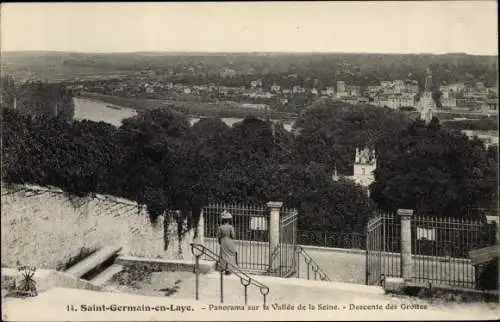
column 226, row 235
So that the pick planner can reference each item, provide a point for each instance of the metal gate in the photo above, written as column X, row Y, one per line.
column 251, row 225
column 383, row 236
column 283, row 257
column 373, row 264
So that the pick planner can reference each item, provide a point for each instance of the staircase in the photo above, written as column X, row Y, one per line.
column 231, row 288
column 226, row 286
column 306, row 267
column 300, row 265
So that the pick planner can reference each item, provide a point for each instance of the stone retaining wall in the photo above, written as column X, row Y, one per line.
column 45, row 229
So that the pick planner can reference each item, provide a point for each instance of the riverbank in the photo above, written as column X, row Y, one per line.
column 190, row 108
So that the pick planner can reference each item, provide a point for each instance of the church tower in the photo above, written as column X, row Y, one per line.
column 426, row 102
column 365, row 164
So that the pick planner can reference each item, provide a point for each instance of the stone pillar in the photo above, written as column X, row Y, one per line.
column 406, row 261
column 274, row 225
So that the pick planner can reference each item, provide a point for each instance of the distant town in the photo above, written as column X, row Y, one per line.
column 396, row 94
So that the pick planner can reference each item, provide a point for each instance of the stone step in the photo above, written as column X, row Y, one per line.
column 94, row 260
column 107, row 274
column 292, row 290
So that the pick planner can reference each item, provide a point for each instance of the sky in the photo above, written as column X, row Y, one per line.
column 359, row 27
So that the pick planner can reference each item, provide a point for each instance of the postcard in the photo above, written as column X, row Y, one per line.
column 249, row 161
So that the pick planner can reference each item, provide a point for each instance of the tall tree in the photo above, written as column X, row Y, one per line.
column 434, row 171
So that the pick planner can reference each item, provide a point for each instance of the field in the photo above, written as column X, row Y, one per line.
column 191, row 108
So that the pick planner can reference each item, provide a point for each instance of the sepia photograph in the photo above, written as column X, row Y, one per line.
column 249, row 161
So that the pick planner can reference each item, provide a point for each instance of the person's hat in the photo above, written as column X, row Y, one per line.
column 225, row 215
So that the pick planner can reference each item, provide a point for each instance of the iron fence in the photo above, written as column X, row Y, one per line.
column 440, row 248
column 329, row 239
column 250, row 222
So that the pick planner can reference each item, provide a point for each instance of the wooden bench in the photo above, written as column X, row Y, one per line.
column 93, row 261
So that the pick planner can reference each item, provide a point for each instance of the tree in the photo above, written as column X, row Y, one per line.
column 7, row 91
column 45, row 100
column 434, row 171
column 330, row 132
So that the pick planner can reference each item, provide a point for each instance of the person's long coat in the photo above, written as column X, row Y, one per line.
column 227, row 254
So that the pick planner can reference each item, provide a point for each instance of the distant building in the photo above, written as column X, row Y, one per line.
column 363, row 100
column 399, row 86
column 428, row 80
column 298, row 89
column 372, row 89
column 395, row 101
column 228, row 72
column 448, row 102
column 256, row 83
column 255, row 106
column 330, row 91
column 341, row 87
column 283, row 101
column 353, row 90
column 365, row 164
column 488, row 138
column 456, row 88
column 412, row 87
column 426, row 102
column 426, row 115
column 491, row 106
column 275, row 88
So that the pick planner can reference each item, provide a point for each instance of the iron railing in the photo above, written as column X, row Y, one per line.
column 199, row 250
column 440, row 247
column 251, row 224
column 330, row 239
column 311, row 265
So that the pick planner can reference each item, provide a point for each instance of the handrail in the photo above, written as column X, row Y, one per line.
column 311, row 263
column 245, row 279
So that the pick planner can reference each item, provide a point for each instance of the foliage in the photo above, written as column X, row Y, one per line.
column 486, row 124
column 331, row 131
column 45, row 100
column 434, row 171
column 7, row 91
column 27, row 285
column 158, row 160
